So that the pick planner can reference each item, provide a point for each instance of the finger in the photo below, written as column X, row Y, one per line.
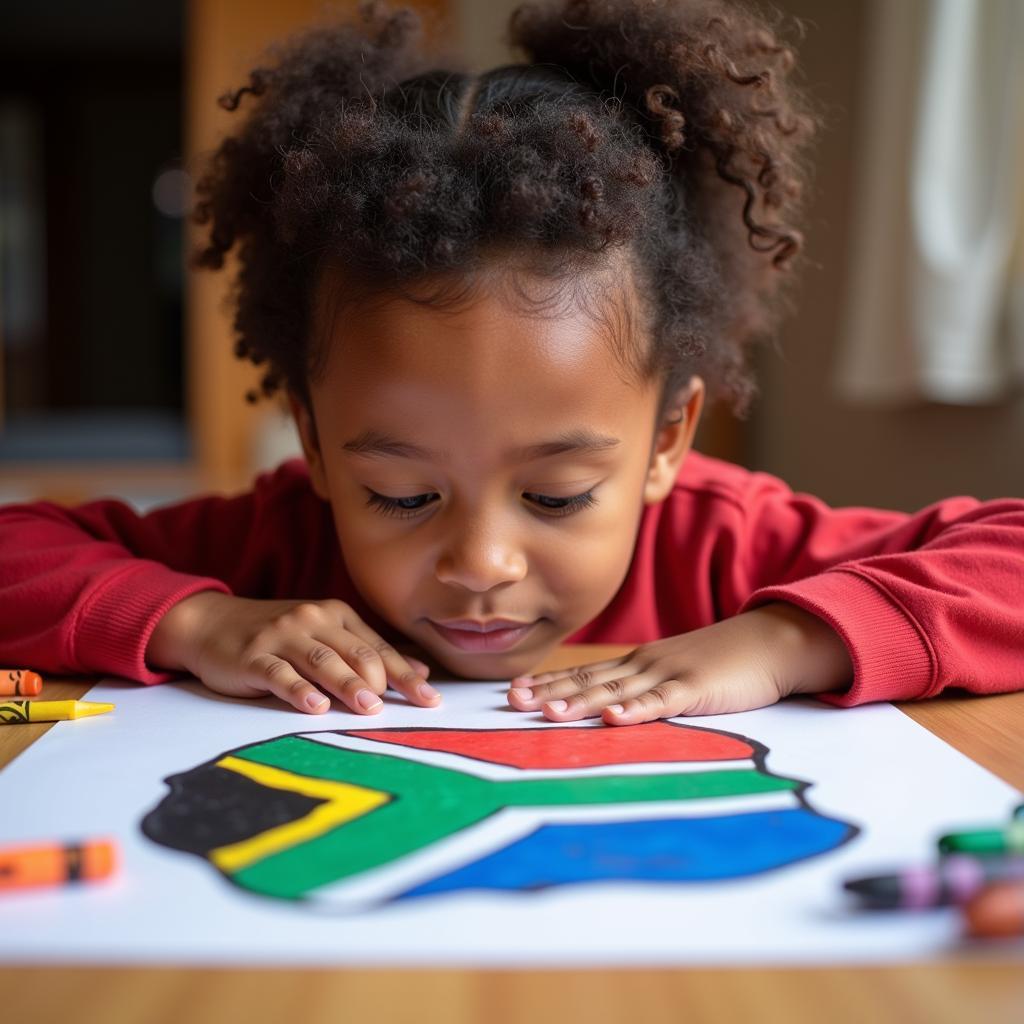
column 547, row 677
column 271, row 674
column 576, row 681
column 724, row 697
column 357, row 667
column 406, row 675
column 668, row 698
column 595, row 699
column 320, row 663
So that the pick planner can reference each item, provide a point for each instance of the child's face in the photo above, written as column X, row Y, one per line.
column 446, row 413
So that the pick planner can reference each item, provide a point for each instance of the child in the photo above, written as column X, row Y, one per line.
column 495, row 302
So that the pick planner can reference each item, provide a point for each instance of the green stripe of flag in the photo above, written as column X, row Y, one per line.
column 431, row 803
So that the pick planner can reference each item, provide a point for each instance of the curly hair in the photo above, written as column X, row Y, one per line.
column 667, row 131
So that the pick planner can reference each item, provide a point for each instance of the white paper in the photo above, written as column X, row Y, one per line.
column 870, row 766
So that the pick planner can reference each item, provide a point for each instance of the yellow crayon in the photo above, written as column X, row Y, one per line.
column 18, row 712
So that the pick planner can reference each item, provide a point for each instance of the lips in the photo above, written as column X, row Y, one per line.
column 473, row 635
column 478, row 626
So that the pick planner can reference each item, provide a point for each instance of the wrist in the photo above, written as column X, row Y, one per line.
column 173, row 643
column 807, row 654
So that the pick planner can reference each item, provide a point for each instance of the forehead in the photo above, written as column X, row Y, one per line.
column 493, row 357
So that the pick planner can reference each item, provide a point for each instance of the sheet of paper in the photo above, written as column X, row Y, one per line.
column 440, row 837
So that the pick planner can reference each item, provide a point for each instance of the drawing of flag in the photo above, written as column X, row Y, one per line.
column 354, row 818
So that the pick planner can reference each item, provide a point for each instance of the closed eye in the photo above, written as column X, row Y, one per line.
column 402, row 507
column 407, row 508
column 563, row 506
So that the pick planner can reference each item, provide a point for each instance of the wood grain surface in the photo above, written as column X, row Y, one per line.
column 981, row 985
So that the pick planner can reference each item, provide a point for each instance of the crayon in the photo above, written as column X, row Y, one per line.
column 17, row 712
column 19, row 682
column 997, row 912
column 22, row 867
column 986, row 842
column 955, row 879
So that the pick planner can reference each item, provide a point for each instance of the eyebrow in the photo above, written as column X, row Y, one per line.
column 375, row 444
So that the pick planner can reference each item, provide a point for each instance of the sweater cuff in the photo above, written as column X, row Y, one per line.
column 115, row 622
column 892, row 659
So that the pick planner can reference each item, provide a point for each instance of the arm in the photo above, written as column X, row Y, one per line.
column 81, row 589
column 100, row 588
column 870, row 604
column 921, row 601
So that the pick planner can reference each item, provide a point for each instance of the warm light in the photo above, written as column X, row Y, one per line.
column 172, row 192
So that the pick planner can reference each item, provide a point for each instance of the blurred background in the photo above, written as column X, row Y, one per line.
column 899, row 379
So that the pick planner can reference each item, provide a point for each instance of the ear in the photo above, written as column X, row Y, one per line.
column 672, row 440
column 306, row 425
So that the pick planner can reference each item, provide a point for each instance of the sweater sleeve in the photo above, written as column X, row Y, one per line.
column 922, row 602
column 81, row 589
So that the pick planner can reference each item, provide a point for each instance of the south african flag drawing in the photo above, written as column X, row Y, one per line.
column 356, row 818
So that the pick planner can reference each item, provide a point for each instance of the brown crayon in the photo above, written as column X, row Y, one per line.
column 30, row 865
column 997, row 912
column 20, row 682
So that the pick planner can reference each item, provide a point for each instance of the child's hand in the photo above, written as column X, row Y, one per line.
column 298, row 650
column 740, row 663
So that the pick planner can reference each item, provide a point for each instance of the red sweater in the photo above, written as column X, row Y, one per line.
column 922, row 601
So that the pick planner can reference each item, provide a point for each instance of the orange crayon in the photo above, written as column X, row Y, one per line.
column 997, row 912
column 23, row 867
column 20, row 682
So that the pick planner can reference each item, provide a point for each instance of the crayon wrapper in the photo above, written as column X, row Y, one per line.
column 30, row 866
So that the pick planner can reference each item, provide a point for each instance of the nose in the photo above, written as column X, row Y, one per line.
column 478, row 557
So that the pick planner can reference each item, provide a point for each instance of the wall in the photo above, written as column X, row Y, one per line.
column 800, row 429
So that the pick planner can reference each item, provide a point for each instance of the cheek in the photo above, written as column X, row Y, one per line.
column 384, row 566
column 585, row 564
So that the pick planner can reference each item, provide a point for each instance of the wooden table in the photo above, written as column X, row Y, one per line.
column 990, row 730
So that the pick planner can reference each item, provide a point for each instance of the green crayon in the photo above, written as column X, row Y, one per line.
column 986, row 842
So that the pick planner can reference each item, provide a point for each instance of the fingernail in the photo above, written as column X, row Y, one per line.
column 616, row 709
column 367, row 700
column 557, row 705
column 522, row 693
column 427, row 692
column 522, row 679
column 315, row 701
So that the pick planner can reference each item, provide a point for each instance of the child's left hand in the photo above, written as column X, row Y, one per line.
column 744, row 662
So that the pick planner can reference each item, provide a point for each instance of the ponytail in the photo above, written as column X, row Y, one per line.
column 709, row 83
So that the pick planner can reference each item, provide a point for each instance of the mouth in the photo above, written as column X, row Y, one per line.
column 495, row 635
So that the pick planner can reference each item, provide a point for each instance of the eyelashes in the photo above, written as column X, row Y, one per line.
column 564, row 506
column 397, row 506
column 406, row 508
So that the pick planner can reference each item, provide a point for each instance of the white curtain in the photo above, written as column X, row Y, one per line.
column 935, row 299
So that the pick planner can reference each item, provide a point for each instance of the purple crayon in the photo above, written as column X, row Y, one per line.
column 954, row 880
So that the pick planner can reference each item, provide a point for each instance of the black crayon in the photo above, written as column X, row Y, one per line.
column 954, row 880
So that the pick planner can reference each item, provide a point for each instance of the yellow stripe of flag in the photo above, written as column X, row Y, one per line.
column 344, row 802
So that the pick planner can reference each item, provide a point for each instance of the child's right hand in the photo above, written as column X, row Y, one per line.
column 301, row 651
